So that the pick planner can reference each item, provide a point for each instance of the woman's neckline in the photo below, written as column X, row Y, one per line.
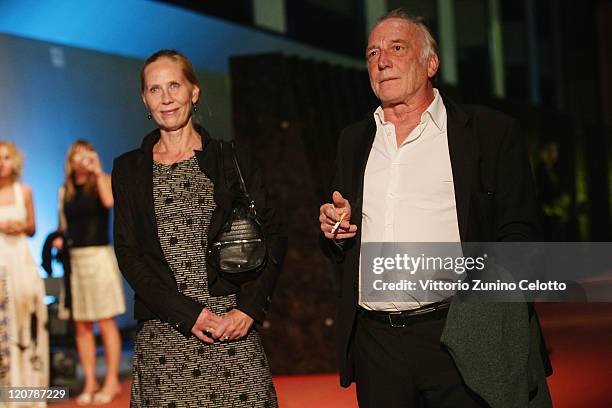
column 14, row 203
column 176, row 163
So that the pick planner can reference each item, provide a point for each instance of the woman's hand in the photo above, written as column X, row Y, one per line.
column 91, row 161
column 58, row 243
column 206, row 324
column 233, row 326
column 12, row 227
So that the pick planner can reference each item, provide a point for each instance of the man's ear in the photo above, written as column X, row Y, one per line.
column 433, row 63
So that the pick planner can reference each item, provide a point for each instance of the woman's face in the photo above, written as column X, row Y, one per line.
column 7, row 163
column 168, row 95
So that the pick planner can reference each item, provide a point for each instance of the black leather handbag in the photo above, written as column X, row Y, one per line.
column 239, row 251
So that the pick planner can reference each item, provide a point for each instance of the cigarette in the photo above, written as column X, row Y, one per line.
column 337, row 224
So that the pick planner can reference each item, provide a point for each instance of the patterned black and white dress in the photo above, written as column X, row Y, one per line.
column 169, row 369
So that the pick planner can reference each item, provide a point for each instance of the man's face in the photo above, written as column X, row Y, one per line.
column 397, row 71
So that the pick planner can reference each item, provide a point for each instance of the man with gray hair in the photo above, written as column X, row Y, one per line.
column 424, row 169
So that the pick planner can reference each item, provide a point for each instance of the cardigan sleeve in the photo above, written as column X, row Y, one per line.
column 515, row 194
column 166, row 302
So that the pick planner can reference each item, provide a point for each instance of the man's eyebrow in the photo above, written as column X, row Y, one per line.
column 399, row 40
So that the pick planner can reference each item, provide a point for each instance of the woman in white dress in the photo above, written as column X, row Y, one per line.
column 95, row 281
column 24, row 340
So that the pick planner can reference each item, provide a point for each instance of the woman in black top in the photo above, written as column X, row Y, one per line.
column 95, row 282
column 196, row 344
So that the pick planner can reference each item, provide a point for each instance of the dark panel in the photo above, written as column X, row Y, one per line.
column 290, row 112
column 327, row 28
column 238, row 11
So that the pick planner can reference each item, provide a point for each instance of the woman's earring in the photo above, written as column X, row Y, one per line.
column 149, row 115
column 195, row 106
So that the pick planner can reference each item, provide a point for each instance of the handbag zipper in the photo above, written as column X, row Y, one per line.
column 237, row 241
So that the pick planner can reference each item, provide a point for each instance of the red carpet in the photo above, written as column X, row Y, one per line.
column 580, row 339
column 579, row 336
column 294, row 391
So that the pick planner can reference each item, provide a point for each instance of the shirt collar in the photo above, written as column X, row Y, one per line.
column 379, row 115
column 435, row 110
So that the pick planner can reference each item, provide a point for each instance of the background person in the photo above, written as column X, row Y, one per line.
column 24, row 339
column 95, row 281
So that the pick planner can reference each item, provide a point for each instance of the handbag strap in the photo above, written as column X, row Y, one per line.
column 243, row 187
column 239, row 172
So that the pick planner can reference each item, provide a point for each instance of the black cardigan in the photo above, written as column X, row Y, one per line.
column 139, row 252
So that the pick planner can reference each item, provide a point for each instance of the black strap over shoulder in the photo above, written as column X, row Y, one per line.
column 226, row 167
column 230, row 166
column 239, row 173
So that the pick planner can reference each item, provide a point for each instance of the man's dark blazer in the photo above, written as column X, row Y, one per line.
column 495, row 199
column 139, row 252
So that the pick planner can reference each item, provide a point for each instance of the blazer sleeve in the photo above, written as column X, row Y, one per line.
column 335, row 250
column 255, row 297
column 515, row 195
column 165, row 302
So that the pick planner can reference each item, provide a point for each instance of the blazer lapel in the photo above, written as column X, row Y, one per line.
column 362, row 152
column 144, row 178
column 146, row 183
column 461, row 147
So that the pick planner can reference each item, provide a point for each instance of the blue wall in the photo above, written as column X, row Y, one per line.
column 137, row 28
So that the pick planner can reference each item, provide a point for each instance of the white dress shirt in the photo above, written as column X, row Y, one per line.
column 408, row 193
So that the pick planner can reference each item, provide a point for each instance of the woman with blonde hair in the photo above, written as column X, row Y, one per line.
column 95, row 283
column 24, row 341
column 197, row 343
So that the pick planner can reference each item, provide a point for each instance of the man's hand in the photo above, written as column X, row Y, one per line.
column 206, row 324
column 330, row 215
column 233, row 326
